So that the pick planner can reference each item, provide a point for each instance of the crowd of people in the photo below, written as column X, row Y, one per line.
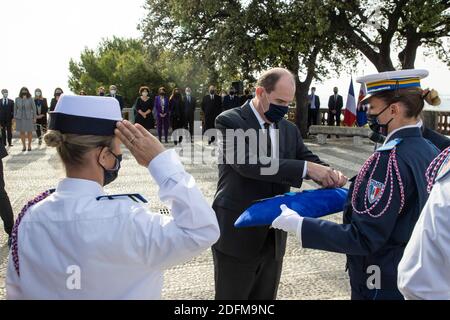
column 122, row 248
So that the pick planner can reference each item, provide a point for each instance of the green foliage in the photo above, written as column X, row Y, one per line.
column 129, row 64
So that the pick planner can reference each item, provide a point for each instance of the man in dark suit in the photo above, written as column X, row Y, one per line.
column 6, row 212
column 245, row 97
column 248, row 261
column 211, row 107
column 231, row 101
column 113, row 94
column 6, row 117
column 335, row 104
column 189, row 110
column 313, row 107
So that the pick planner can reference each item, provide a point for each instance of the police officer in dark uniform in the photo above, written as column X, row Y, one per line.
column 387, row 195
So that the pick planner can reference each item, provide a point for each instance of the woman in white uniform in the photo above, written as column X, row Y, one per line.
column 77, row 243
column 424, row 271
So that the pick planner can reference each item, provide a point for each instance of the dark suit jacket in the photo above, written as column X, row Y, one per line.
column 118, row 98
column 335, row 105
column 53, row 104
column 44, row 111
column 211, row 109
column 241, row 184
column 6, row 113
column 317, row 102
column 439, row 140
column 189, row 107
column 229, row 103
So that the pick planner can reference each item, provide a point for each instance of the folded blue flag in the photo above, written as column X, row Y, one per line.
column 309, row 203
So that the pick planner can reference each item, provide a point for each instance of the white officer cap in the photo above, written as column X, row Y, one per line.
column 85, row 115
column 392, row 80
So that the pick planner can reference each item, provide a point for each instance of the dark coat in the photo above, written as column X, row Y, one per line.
column 379, row 237
column 231, row 102
column 241, row 184
column 6, row 112
column 211, row 109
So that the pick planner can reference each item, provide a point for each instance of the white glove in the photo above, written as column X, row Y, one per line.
column 289, row 220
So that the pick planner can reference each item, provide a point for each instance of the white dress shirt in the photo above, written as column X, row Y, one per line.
column 424, row 271
column 119, row 246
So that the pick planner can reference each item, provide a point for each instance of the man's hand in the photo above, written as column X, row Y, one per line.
column 141, row 143
column 326, row 176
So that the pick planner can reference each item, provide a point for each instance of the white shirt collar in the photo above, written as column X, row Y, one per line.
column 258, row 116
column 417, row 125
column 80, row 187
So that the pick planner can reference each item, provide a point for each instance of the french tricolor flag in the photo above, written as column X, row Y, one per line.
column 350, row 108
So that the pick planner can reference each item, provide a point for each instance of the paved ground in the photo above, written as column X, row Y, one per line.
column 307, row 274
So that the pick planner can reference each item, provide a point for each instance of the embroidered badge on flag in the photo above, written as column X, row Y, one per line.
column 375, row 189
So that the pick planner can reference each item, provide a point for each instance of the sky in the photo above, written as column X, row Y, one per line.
column 41, row 36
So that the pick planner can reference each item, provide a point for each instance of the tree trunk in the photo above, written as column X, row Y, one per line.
column 407, row 56
column 301, row 99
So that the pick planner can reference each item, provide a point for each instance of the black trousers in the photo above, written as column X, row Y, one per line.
column 41, row 128
column 312, row 117
column 189, row 124
column 334, row 118
column 7, row 133
column 6, row 212
column 257, row 279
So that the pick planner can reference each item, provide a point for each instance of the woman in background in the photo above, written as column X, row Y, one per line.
column 25, row 115
column 58, row 92
column 41, row 114
column 143, row 109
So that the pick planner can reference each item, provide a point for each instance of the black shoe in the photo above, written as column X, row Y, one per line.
column 24, row 149
column 11, row 145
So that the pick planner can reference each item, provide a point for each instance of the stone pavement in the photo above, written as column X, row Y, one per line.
column 307, row 274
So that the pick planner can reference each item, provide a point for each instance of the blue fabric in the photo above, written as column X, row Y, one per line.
column 310, row 203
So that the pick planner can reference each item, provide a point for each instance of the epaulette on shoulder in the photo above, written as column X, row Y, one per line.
column 136, row 197
column 390, row 145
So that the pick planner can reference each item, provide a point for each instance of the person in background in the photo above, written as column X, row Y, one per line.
column 335, row 104
column 82, row 93
column 119, row 246
column 211, row 107
column 113, row 94
column 313, row 107
column 41, row 114
column 6, row 117
column 231, row 101
column 176, row 113
column 189, row 111
column 6, row 212
column 25, row 115
column 161, row 108
column 58, row 92
column 143, row 109
column 245, row 97
column 101, row 91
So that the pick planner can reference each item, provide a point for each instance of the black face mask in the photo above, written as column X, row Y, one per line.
column 212, row 91
column 276, row 112
column 101, row 94
column 111, row 174
column 375, row 125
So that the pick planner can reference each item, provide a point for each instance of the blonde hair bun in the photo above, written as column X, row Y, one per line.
column 54, row 139
column 431, row 96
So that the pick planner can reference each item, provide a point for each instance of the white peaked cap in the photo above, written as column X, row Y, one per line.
column 86, row 115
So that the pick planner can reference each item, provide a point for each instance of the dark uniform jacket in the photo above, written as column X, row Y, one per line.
column 378, row 237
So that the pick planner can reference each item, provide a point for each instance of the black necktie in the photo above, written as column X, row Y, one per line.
column 269, row 141
column 4, row 102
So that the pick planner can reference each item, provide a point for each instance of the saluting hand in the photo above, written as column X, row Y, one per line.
column 141, row 143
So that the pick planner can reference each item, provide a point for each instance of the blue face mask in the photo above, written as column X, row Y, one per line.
column 276, row 112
